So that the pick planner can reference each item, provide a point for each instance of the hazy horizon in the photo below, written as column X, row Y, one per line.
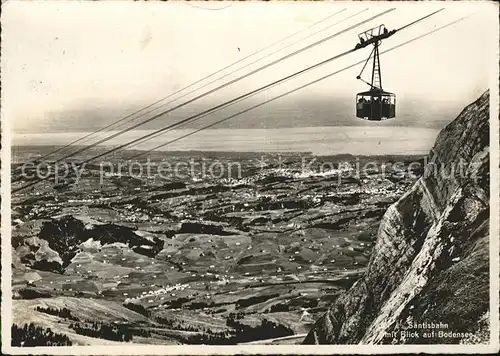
column 360, row 140
column 305, row 113
column 63, row 75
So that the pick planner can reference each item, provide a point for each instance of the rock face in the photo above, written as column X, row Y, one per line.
column 430, row 263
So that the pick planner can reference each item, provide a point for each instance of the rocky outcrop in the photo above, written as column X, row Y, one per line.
column 430, row 263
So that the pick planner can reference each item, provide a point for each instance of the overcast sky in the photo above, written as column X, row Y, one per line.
column 80, row 65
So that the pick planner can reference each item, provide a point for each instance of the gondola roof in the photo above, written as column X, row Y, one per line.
column 376, row 92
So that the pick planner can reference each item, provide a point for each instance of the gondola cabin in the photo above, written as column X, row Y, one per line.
column 375, row 105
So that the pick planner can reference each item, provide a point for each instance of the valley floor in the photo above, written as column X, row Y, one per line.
column 255, row 258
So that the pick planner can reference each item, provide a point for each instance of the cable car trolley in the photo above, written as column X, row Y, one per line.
column 374, row 104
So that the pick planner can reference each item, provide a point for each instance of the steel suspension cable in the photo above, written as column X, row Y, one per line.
column 133, row 142
column 296, row 89
column 130, row 116
column 222, row 86
column 206, row 114
column 234, row 71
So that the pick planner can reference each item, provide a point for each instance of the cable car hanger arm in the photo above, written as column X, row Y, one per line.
column 386, row 34
column 156, row 116
column 375, row 36
column 293, row 90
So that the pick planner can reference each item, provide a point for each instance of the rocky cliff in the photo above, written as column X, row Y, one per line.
column 430, row 268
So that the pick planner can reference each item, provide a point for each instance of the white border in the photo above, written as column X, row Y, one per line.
column 494, row 192
column 136, row 349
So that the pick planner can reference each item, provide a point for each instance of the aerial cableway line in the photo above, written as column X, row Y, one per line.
column 130, row 117
column 362, row 44
column 376, row 104
column 218, row 107
column 224, row 85
column 204, row 113
column 292, row 91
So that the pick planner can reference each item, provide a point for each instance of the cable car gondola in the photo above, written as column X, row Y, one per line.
column 374, row 104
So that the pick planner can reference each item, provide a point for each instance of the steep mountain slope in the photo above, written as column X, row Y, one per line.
column 430, row 262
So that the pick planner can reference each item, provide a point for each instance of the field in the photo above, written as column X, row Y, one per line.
column 253, row 256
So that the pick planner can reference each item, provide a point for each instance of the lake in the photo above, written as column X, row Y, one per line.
column 358, row 140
